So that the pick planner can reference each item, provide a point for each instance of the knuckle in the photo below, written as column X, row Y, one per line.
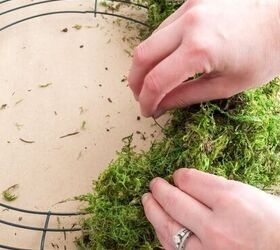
column 194, row 15
column 139, row 55
column 200, row 48
column 222, row 200
column 152, row 83
column 222, row 238
column 218, row 235
column 228, row 198
column 182, row 176
column 170, row 200
column 191, row 3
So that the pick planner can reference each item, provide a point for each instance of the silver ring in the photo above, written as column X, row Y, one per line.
column 181, row 237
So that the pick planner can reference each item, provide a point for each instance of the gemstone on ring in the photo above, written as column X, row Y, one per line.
column 181, row 237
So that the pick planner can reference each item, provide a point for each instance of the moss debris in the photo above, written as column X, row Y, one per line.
column 238, row 138
column 8, row 194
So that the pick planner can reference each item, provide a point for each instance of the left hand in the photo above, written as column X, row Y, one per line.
column 222, row 214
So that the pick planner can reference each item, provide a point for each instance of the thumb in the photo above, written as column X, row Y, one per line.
column 195, row 91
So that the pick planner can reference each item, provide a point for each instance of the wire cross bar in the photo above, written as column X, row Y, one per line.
column 44, row 229
column 43, row 239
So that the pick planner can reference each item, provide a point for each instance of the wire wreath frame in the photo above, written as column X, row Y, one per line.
column 48, row 214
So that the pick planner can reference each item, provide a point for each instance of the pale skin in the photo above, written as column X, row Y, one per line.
column 224, row 215
column 236, row 44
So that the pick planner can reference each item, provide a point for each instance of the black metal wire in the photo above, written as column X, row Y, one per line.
column 49, row 1
column 49, row 214
column 4, row 1
column 13, row 248
column 44, row 229
column 38, row 212
column 43, row 239
column 71, row 12
column 41, row 229
column 95, row 12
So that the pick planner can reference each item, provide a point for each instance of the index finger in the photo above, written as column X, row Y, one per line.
column 197, row 184
column 178, row 13
column 150, row 52
column 181, row 207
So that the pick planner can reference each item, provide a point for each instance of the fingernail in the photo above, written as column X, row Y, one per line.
column 145, row 197
column 153, row 182
column 159, row 113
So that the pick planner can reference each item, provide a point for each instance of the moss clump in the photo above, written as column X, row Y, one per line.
column 236, row 138
column 158, row 10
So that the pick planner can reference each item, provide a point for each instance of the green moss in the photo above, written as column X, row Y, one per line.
column 238, row 138
column 158, row 10
column 8, row 194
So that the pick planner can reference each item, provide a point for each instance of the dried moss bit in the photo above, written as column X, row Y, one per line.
column 45, row 85
column 26, row 141
column 58, row 222
column 77, row 27
column 18, row 102
column 8, row 194
column 55, row 246
column 70, row 134
column 83, row 125
column 79, row 155
column 128, row 53
column 82, row 110
column 113, row 7
column 18, row 126
column 64, row 30
column 236, row 138
column 124, row 79
column 3, row 106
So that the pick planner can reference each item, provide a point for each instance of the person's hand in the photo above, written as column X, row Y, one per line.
column 235, row 43
column 222, row 214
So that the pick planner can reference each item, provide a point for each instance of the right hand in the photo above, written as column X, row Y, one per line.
column 235, row 43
